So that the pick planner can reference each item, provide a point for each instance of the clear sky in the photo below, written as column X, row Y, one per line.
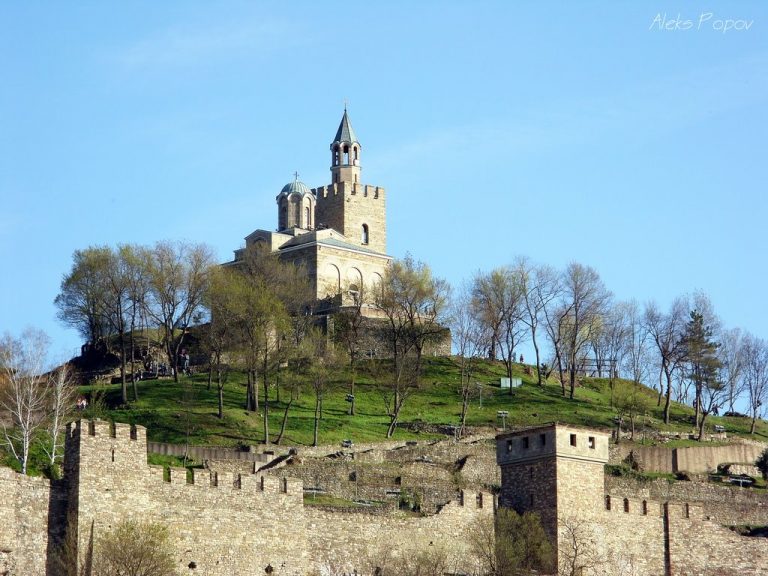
column 563, row 131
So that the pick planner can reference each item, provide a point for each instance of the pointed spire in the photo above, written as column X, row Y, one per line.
column 345, row 132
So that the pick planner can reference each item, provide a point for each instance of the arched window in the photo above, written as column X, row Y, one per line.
column 335, row 155
column 346, row 154
column 626, row 505
column 645, row 508
column 365, row 234
column 307, row 221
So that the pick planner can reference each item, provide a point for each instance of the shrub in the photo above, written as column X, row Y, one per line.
column 762, row 464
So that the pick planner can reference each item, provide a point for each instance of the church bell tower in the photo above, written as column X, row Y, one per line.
column 345, row 153
column 355, row 209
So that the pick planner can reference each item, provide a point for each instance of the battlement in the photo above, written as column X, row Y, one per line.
column 470, row 499
column 632, row 506
column 252, row 483
column 101, row 429
column 552, row 441
column 350, row 188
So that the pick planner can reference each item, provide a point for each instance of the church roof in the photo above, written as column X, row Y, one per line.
column 327, row 237
column 295, row 187
column 345, row 132
column 349, row 246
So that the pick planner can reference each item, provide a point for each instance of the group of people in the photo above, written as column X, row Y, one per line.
column 82, row 403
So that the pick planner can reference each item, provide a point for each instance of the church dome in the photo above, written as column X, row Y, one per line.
column 295, row 187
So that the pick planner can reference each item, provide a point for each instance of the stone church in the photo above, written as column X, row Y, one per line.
column 336, row 232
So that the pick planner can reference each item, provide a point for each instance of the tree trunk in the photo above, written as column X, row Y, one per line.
column 317, row 420
column 133, row 358
column 282, row 424
column 668, row 400
column 266, row 409
column 540, row 382
column 701, row 426
column 220, row 387
column 123, row 380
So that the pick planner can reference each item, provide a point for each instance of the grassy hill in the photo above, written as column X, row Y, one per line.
column 186, row 411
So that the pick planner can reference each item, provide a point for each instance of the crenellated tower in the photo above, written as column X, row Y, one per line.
column 356, row 210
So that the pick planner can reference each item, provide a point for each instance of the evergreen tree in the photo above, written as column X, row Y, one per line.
column 704, row 365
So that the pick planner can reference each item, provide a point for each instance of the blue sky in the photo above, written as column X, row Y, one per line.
column 562, row 131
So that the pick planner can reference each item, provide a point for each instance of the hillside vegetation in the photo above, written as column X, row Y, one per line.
column 186, row 412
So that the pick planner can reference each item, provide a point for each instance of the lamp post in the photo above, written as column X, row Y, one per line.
column 503, row 415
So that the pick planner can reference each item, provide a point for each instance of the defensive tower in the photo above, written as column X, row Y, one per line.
column 555, row 470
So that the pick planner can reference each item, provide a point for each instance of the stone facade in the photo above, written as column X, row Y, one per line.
column 233, row 523
column 604, row 529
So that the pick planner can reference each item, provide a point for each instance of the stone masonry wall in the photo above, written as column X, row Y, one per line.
column 723, row 504
column 220, row 523
column 346, row 206
column 347, row 542
column 611, row 526
column 26, row 508
column 232, row 523
column 696, row 459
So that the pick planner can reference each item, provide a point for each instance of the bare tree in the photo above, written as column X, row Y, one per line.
column 24, row 392
column 348, row 327
column 540, row 289
column 731, row 355
column 578, row 548
column 323, row 361
column 555, row 323
column 499, row 299
column 117, row 306
column 755, row 375
column 60, row 397
column 585, row 299
column 135, row 262
column 665, row 331
column 412, row 302
column 178, row 275
column 611, row 342
column 471, row 338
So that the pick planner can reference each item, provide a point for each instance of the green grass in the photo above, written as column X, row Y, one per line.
column 187, row 411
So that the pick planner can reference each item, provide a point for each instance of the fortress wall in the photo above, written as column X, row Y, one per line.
column 432, row 485
column 695, row 459
column 345, row 541
column 25, row 505
column 650, row 458
column 224, row 523
column 706, row 458
column 233, row 524
column 205, row 452
column 633, row 542
column 723, row 504
column 698, row 546
column 643, row 552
